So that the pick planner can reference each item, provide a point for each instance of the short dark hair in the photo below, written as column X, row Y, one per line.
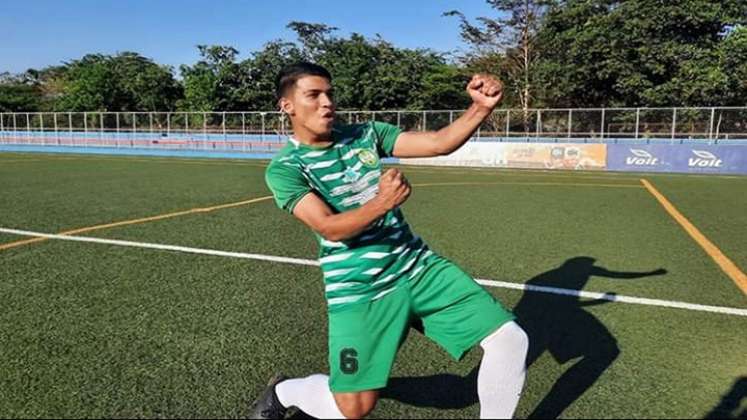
column 289, row 75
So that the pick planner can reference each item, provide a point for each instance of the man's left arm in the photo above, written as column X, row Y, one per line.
column 486, row 93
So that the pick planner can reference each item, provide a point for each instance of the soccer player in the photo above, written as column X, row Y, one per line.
column 379, row 276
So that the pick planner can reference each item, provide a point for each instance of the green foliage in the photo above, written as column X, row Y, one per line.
column 123, row 82
column 641, row 53
column 549, row 53
column 506, row 45
column 376, row 75
column 18, row 95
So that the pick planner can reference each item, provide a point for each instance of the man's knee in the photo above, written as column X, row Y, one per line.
column 355, row 405
column 509, row 335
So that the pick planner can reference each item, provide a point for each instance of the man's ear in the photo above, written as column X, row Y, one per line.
column 286, row 106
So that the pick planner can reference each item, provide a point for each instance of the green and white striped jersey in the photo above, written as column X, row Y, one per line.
column 346, row 176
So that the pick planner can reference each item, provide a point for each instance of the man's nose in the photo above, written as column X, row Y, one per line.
column 326, row 100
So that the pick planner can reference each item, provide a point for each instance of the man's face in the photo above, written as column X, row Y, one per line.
column 310, row 105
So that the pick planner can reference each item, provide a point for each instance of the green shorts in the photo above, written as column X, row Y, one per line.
column 455, row 311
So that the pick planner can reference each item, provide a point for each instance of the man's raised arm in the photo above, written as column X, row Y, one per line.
column 486, row 93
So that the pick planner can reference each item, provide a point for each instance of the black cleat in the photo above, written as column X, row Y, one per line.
column 268, row 406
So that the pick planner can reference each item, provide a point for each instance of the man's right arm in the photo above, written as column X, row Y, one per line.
column 315, row 213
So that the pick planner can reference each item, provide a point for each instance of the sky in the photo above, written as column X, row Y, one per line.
column 40, row 33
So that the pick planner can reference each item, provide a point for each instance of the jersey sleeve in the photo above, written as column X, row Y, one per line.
column 287, row 184
column 385, row 135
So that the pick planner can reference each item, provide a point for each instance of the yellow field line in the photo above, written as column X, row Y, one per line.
column 136, row 221
column 731, row 269
column 575, row 184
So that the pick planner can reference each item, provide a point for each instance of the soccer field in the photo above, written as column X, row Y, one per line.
column 187, row 289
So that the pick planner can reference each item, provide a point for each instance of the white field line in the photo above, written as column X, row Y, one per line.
column 485, row 282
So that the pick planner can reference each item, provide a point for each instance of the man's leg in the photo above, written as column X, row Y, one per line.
column 363, row 342
column 502, row 371
column 310, row 394
column 458, row 314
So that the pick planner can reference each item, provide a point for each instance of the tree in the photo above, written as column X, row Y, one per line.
column 209, row 82
column 506, row 46
column 733, row 60
column 641, row 53
column 18, row 94
column 376, row 75
column 313, row 37
column 124, row 82
column 259, row 72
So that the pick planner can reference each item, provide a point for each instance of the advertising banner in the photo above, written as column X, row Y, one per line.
column 555, row 156
column 677, row 158
column 473, row 154
column 522, row 155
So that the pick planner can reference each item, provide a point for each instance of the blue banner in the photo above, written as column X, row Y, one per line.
column 677, row 158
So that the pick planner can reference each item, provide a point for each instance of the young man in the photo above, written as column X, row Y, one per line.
column 379, row 276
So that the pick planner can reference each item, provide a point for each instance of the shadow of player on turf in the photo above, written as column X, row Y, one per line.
column 561, row 325
column 558, row 324
column 731, row 403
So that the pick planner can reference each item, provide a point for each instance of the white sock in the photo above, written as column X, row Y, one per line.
column 311, row 394
column 502, row 371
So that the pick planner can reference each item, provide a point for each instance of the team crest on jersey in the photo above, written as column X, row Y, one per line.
column 368, row 158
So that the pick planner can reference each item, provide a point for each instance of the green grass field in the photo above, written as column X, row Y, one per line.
column 97, row 330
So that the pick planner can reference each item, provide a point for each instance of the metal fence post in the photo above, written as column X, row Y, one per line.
column 539, row 124
column 56, row 132
column 41, row 126
column 710, row 126
column 134, row 128
column 168, row 124
column 70, row 127
column 601, row 135
column 674, row 121
column 637, row 121
column 570, row 121
column 243, row 132
column 508, row 124
column 262, row 135
column 204, row 130
column 399, row 119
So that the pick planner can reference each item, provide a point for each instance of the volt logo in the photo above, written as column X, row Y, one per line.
column 704, row 159
column 641, row 158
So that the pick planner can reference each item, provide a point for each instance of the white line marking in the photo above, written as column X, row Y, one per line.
column 299, row 261
column 163, row 247
column 615, row 298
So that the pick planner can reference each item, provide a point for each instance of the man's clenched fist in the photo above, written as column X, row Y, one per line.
column 486, row 91
column 393, row 189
